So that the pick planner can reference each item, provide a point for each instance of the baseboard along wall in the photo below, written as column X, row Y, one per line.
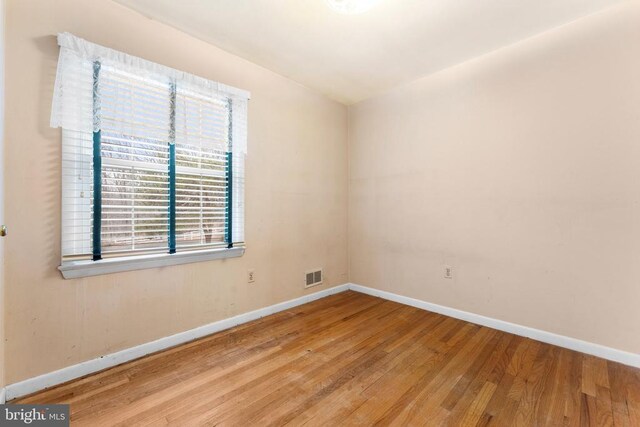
column 81, row 369
column 598, row 350
column 69, row 373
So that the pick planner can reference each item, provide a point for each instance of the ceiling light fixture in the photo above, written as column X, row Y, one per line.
column 351, row 7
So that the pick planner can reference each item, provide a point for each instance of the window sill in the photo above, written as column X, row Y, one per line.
column 86, row 268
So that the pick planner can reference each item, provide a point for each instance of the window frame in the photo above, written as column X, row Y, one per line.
column 99, row 265
column 86, row 268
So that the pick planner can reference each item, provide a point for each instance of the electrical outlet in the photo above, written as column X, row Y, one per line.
column 448, row 272
column 251, row 276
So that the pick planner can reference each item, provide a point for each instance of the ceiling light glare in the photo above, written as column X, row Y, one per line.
column 351, row 7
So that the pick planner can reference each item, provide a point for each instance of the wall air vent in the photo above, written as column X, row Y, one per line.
column 313, row 278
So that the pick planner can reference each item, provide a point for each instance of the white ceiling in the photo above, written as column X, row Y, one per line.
column 352, row 57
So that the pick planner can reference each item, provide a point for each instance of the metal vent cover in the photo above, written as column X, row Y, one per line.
column 313, row 278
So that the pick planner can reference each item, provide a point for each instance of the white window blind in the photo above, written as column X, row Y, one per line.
column 153, row 158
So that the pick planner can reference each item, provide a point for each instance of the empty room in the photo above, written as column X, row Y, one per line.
column 320, row 212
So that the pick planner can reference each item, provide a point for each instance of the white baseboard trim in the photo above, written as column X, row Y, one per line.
column 620, row 356
column 69, row 373
column 3, row 396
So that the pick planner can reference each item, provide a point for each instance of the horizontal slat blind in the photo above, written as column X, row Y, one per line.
column 134, row 210
column 239, row 149
column 77, row 193
column 169, row 150
column 200, row 210
column 134, row 115
column 202, row 142
column 134, row 108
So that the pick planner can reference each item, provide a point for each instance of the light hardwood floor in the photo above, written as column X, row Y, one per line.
column 352, row 359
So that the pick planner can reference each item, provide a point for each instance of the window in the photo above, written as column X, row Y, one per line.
column 153, row 162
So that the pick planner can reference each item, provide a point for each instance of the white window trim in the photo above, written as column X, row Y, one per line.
column 87, row 268
column 74, row 110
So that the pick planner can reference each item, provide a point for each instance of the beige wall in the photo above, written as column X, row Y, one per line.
column 296, row 197
column 520, row 169
column 2, row 171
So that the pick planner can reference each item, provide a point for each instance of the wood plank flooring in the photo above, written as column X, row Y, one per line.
column 352, row 359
